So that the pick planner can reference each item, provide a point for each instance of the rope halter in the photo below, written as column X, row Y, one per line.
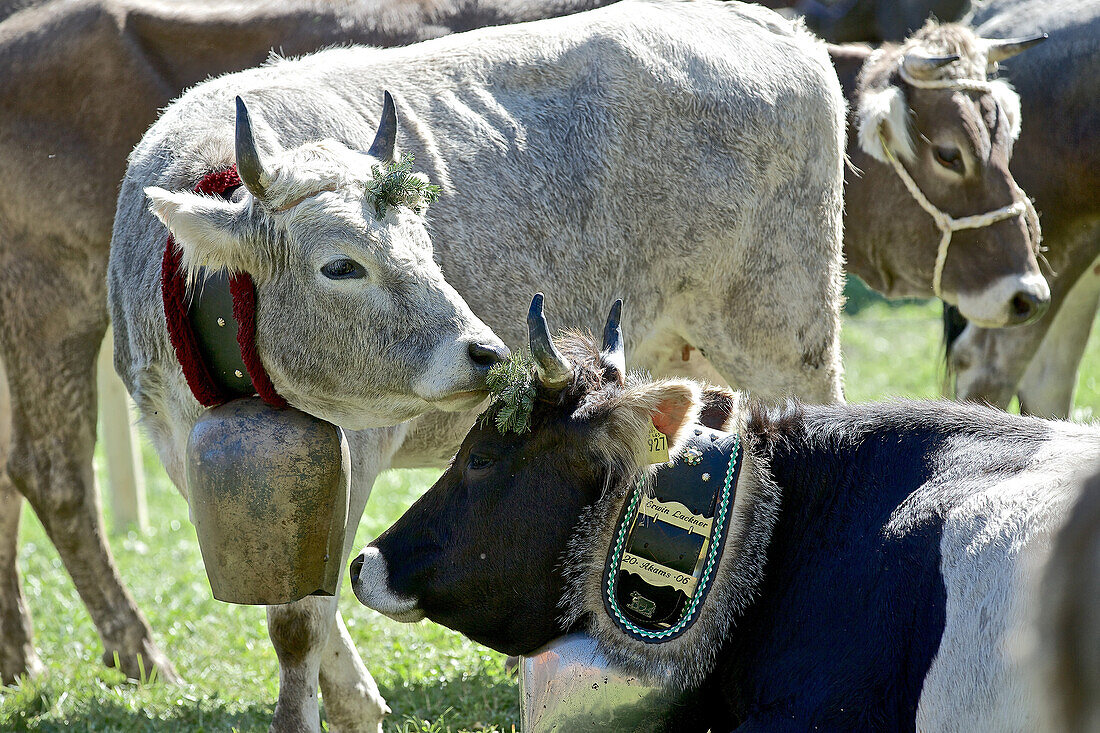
column 948, row 224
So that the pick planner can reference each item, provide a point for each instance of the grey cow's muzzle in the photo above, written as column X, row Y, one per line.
column 569, row 686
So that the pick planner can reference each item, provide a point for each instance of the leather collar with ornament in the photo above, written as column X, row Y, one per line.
column 670, row 537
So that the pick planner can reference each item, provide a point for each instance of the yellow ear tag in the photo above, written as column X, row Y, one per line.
column 658, row 445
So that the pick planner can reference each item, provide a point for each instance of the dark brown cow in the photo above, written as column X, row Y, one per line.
column 81, row 83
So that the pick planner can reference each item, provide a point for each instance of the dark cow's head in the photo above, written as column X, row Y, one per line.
column 934, row 142
column 480, row 551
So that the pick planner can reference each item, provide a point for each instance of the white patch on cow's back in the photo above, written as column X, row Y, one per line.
column 975, row 682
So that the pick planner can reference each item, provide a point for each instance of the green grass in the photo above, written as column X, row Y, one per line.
column 434, row 679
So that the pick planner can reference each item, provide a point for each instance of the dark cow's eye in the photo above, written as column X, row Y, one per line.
column 343, row 269
column 949, row 158
column 478, row 462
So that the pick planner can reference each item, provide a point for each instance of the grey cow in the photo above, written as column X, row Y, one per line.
column 82, row 81
column 685, row 155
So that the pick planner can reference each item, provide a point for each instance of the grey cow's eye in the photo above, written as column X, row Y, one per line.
column 343, row 269
column 949, row 158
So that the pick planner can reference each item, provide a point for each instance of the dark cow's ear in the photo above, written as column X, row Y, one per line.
column 672, row 405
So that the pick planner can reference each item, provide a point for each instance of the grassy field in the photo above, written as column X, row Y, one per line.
column 434, row 679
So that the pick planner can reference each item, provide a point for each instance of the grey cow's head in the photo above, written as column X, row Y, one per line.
column 928, row 105
column 355, row 322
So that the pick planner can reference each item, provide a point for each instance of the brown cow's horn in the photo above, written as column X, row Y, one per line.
column 613, row 338
column 554, row 371
column 249, row 166
column 386, row 137
column 999, row 49
column 922, row 65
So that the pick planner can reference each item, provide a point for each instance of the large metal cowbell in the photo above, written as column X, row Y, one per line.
column 269, row 492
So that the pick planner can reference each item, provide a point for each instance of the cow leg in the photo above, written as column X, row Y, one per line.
column 17, row 654
column 299, row 631
column 1050, row 380
column 52, row 320
column 311, row 641
column 313, row 646
column 352, row 700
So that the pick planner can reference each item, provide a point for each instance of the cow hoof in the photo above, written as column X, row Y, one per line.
column 146, row 665
column 14, row 670
column 372, row 711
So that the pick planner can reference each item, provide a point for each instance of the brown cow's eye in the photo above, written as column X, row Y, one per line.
column 949, row 158
column 343, row 269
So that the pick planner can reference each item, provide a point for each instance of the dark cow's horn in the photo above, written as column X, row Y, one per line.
column 613, row 338
column 386, row 137
column 921, row 65
column 999, row 49
column 249, row 166
column 554, row 371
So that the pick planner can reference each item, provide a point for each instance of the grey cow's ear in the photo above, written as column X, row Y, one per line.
column 884, row 113
column 210, row 232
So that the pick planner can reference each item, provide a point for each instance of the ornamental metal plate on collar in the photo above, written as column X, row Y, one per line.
column 668, row 542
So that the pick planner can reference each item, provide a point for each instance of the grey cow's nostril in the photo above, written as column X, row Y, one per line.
column 1027, row 307
column 356, row 567
column 486, row 355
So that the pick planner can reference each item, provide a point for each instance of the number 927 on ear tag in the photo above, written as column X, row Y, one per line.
column 658, row 445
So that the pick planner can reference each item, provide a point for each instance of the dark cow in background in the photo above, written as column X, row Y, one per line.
column 1056, row 160
column 870, row 580
column 874, row 21
column 81, row 82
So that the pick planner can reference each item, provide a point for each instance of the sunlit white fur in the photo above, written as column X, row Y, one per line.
column 975, row 683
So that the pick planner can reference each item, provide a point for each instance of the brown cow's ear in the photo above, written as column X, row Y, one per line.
column 671, row 404
column 210, row 232
column 1009, row 102
column 884, row 113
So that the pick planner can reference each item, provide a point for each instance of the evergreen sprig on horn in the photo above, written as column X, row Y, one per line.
column 511, row 385
column 397, row 185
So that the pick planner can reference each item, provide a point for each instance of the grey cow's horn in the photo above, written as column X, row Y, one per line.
column 613, row 338
column 386, row 138
column 249, row 166
column 999, row 49
column 554, row 371
column 921, row 65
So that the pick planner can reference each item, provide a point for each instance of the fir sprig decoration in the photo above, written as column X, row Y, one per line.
column 511, row 384
column 397, row 185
